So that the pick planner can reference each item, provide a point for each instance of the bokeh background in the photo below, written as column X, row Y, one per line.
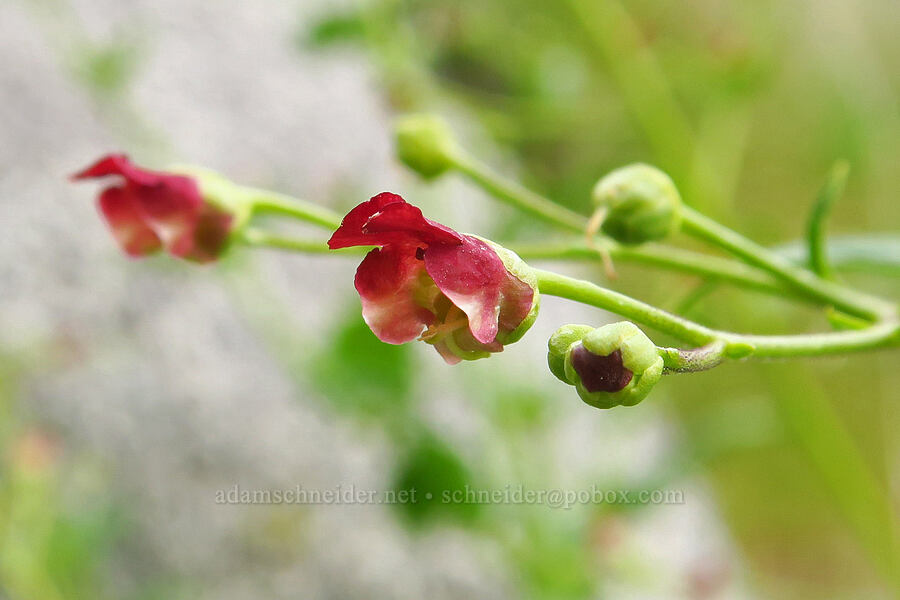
column 132, row 391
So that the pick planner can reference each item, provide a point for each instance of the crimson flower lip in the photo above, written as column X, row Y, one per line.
column 427, row 281
column 150, row 211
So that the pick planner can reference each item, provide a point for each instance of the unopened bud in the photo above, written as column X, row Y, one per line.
column 425, row 144
column 613, row 365
column 641, row 204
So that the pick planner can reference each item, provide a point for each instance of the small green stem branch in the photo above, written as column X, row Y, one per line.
column 518, row 196
column 691, row 361
column 266, row 202
column 265, row 239
column 719, row 344
column 842, row 298
column 676, row 259
column 554, row 284
column 257, row 237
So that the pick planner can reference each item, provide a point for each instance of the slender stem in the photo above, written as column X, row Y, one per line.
column 265, row 239
column 733, row 345
column 515, row 195
column 554, row 284
column 879, row 335
column 842, row 298
column 676, row 259
column 270, row 202
column 691, row 361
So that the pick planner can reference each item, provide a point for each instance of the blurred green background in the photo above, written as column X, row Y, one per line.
column 119, row 419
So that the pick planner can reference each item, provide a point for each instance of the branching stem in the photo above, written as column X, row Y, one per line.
column 725, row 344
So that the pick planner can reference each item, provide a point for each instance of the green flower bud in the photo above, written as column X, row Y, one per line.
column 425, row 144
column 641, row 204
column 613, row 365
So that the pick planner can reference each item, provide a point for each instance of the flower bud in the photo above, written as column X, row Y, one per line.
column 425, row 144
column 641, row 202
column 613, row 365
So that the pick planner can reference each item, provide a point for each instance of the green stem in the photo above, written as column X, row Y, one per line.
column 882, row 334
column 691, row 361
column 733, row 345
column 842, row 298
column 265, row 239
column 518, row 196
column 266, row 202
column 802, row 281
column 676, row 259
column 712, row 268
column 555, row 214
column 554, row 284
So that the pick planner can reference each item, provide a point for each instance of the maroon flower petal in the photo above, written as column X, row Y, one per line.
column 117, row 164
column 172, row 207
column 127, row 224
column 407, row 220
column 472, row 276
column 350, row 233
column 389, row 219
column 389, row 281
column 600, row 373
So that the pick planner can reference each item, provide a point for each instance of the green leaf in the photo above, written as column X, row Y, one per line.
column 434, row 470
column 833, row 189
column 362, row 375
column 335, row 29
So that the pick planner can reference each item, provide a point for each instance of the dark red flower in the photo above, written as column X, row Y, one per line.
column 149, row 211
column 427, row 281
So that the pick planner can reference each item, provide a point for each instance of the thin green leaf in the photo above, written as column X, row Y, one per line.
column 833, row 189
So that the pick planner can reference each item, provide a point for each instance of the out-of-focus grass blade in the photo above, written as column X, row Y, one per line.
column 833, row 189
column 820, row 432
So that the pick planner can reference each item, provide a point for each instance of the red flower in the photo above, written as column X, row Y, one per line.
column 427, row 281
column 149, row 211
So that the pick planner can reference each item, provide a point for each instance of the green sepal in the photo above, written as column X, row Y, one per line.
column 524, row 273
column 559, row 344
column 222, row 193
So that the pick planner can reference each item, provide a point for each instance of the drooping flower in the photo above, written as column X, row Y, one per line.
column 149, row 211
column 464, row 295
